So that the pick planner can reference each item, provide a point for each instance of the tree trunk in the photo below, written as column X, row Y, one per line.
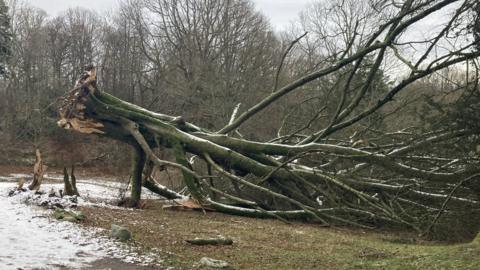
column 39, row 170
column 70, row 182
column 138, row 163
column 73, row 181
column 67, row 186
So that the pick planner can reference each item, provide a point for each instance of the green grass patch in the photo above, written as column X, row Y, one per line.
column 271, row 244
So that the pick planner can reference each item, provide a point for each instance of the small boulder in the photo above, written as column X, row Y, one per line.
column 121, row 233
column 70, row 216
column 70, row 219
column 80, row 216
column 213, row 263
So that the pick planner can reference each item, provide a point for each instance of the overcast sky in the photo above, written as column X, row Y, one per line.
column 280, row 12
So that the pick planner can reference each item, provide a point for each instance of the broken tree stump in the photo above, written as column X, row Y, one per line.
column 21, row 182
column 70, row 182
column 39, row 170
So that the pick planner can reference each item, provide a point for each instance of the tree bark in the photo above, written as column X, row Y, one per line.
column 67, row 186
column 39, row 170
column 138, row 163
column 70, row 182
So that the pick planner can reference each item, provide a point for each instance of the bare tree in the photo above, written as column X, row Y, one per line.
column 222, row 50
column 5, row 36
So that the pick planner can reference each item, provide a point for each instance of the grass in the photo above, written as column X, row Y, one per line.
column 271, row 244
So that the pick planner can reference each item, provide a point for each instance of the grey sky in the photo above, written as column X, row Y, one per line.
column 280, row 12
column 53, row 7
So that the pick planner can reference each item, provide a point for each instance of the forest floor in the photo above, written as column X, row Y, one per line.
column 266, row 244
column 272, row 244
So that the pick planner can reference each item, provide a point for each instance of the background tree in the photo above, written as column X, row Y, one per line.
column 5, row 36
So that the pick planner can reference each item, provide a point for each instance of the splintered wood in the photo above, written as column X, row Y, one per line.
column 185, row 205
column 83, row 126
column 21, row 182
column 72, row 111
column 39, row 170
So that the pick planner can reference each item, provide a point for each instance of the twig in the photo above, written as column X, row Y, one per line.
column 282, row 61
column 444, row 205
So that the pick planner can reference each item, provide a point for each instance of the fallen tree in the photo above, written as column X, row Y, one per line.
column 398, row 182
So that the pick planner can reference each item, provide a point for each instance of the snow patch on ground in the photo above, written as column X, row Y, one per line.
column 31, row 239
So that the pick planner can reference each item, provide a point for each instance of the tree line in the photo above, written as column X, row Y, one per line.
column 198, row 60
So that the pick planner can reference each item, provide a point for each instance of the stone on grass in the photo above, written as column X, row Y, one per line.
column 66, row 215
column 70, row 219
column 80, row 216
column 121, row 233
column 213, row 263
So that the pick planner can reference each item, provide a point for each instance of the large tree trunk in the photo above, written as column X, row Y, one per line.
column 138, row 163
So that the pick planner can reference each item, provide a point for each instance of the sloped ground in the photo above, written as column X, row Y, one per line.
column 271, row 244
column 258, row 244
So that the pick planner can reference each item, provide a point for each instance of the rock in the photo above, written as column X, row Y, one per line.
column 121, row 233
column 54, row 205
column 212, row 263
column 59, row 214
column 73, row 199
column 80, row 216
column 52, row 193
column 70, row 216
column 12, row 192
column 70, row 219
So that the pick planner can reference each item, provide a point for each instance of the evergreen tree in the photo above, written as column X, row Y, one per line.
column 5, row 37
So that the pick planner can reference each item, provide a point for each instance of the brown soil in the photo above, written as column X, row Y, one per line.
column 272, row 244
column 114, row 264
column 276, row 244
